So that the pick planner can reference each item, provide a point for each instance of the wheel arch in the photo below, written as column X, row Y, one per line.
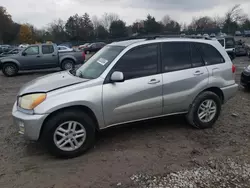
column 82, row 108
column 215, row 90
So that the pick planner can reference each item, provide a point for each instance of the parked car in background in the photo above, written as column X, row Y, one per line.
column 247, row 33
column 245, row 78
column 11, row 52
column 240, row 48
column 238, row 33
column 81, row 47
column 64, row 49
column 94, row 47
column 23, row 45
column 40, row 56
column 228, row 43
column 206, row 35
column 126, row 81
column 212, row 35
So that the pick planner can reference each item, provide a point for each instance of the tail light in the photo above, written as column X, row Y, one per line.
column 233, row 68
column 83, row 55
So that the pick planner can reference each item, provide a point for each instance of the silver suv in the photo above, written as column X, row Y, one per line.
column 126, row 82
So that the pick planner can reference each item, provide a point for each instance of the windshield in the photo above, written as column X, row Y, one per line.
column 97, row 64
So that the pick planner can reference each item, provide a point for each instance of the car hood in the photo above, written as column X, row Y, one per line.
column 50, row 82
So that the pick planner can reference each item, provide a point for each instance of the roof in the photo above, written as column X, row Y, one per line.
column 126, row 43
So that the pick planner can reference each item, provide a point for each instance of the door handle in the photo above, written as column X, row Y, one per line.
column 197, row 73
column 38, row 56
column 154, row 81
column 53, row 55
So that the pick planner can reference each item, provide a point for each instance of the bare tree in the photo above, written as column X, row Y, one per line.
column 96, row 22
column 219, row 21
column 236, row 14
column 108, row 18
column 166, row 20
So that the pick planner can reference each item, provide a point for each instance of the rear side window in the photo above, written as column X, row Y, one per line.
column 139, row 62
column 221, row 41
column 175, row 56
column 210, row 54
column 196, row 57
column 47, row 49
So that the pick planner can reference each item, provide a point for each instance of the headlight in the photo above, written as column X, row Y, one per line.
column 30, row 101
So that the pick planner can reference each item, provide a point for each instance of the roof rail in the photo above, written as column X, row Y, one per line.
column 153, row 37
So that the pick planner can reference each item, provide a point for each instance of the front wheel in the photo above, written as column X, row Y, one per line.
column 69, row 134
column 10, row 69
column 205, row 110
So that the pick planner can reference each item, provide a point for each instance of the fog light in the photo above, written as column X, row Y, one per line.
column 21, row 127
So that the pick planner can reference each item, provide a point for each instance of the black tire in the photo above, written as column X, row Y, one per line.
column 192, row 116
column 58, row 119
column 68, row 64
column 10, row 69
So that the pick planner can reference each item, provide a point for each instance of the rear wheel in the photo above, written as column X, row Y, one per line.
column 205, row 110
column 10, row 69
column 68, row 64
column 69, row 134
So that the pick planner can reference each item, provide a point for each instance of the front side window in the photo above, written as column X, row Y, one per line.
column 139, row 62
column 210, row 54
column 47, row 49
column 32, row 50
column 176, row 56
column 98, row 63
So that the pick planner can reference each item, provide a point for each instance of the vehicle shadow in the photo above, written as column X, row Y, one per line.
column 143, row 130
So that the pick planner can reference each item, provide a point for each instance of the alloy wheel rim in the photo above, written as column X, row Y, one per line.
column 10, row 70
column 68, row 66
column 207, row 111
column 69, row 136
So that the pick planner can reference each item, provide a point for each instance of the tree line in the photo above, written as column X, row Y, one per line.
column 110, row 26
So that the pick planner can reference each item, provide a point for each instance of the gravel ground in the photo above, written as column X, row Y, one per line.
column 157, row 153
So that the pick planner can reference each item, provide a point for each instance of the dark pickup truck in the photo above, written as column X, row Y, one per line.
column 40, row 56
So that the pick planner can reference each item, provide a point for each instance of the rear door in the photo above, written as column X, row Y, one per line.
column 184, row 75
column 49, row 56
column 216, row 65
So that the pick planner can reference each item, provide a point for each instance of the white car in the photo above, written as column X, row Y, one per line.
column 64, row 49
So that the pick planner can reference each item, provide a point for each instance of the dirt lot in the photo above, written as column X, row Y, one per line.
column 157, row 153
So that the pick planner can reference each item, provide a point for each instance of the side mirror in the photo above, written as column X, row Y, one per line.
column 117, row 77
column 24, row 53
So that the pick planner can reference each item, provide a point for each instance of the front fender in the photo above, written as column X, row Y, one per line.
column 10, row 60
column 89, row 97
column 61, row 59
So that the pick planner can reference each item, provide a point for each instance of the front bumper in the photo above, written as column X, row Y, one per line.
column 230, row 91
column 28, row 124
column 245, row 79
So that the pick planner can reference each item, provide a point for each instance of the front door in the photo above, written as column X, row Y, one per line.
column 30, row 58
column 140, row 95
column 184, row 76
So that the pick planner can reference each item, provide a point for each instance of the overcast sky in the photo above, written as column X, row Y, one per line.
column 42, row 12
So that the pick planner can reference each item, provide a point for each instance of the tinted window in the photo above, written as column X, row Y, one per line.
column 175, row 56
column 196, row 58
column 47, row 49
column 210, row 54
column 139, row 62
column 32, row 50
